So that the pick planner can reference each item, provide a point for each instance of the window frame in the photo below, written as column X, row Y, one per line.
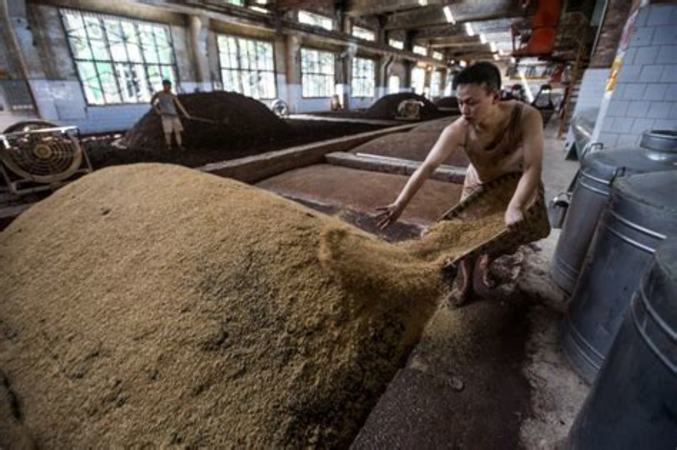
column 353, row 78
column 390, row 40
column 317, row 15
column 129, row 63
column 238, row 38
column 333, row 74
column 415, row 47
column 363, row 30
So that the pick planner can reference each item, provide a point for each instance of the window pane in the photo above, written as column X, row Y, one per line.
column 247, row 66
column 94, row 28
column 99, row 50
column 74, row 24
column 80, row 48
column 90, row 82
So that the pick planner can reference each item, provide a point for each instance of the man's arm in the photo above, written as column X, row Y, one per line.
column 532, row 130
column 445, row 144
column 153, row 103
column 178, row 103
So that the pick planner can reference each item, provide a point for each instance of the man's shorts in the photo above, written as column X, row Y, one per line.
column 171, row 124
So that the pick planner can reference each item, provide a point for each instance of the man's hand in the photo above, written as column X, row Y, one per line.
column 513, row 216
column 388, row 215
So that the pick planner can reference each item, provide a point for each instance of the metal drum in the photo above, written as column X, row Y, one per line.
column 641, row 214
column 591, row 195
column 633, row 403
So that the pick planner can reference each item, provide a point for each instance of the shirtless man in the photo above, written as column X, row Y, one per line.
column 499, row 138
column 165, row 103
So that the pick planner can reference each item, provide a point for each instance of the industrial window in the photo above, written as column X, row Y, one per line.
column 119, row 60
column 316, row 20
column 418, row 79
column 247, row 66
column 420, row 50
column 363, row 33
column 438, row 55
column 362, row 83
column 435, row 83
column 393, row 84
column 396, row 44
column 317, row 73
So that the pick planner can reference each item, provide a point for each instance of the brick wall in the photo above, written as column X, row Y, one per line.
column 645, row 96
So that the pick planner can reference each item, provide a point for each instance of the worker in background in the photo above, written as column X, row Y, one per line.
column 499, row 137
column 165, row 103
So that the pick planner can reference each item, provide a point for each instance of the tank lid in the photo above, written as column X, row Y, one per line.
column 655, row 190
column 659, row 140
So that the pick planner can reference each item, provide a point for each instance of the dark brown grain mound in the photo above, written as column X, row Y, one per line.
column 240, row 117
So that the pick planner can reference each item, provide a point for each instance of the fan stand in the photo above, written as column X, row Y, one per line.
column 22, row 178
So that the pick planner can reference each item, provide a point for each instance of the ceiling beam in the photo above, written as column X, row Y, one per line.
column 372, row 7
column 466, row 11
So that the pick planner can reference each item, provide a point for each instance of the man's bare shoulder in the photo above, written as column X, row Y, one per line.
column 530, row 116
column 456, row 129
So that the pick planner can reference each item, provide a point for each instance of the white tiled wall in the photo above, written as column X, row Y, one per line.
column 645, row 96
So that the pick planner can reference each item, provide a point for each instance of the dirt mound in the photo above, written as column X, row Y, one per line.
column 413, row 146
column 447, row 102
column 240, row 119
column 386, row 106
column 157, row 305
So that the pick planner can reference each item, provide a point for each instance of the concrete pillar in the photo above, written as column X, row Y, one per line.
column 382, row 66
column 293, row 72
column 199, row 32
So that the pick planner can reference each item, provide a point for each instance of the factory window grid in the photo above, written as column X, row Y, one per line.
column 363, row 80
column 396, row 44
column 420, row 50
column 316, row 20
column 435, row 83
column 317, row 73
column 364, row 33
column 247, row 66
column 438, row 56
column 118, row 60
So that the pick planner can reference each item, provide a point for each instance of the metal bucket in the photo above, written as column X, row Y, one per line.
column 591, row 195
column 633, row 403
column 641, row 214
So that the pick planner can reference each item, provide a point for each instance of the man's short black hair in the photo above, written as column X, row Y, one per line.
column 482, row 73
column 165, row 82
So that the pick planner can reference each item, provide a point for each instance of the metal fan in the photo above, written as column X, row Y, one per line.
column 40, row 155
column 280, row 108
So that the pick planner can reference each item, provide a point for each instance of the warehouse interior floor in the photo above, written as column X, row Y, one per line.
column 490, row 374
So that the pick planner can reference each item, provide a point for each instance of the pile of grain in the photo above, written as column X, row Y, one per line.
column 447, row 102
column 245, row 119
column 156, row 305
column 386, row 107
column 414, row 146
column 433, row 126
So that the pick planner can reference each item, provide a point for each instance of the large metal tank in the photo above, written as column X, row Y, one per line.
column 641, row 214
column 633, row 403
column 658, row 152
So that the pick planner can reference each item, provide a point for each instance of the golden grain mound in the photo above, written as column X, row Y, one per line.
column 153, row 304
